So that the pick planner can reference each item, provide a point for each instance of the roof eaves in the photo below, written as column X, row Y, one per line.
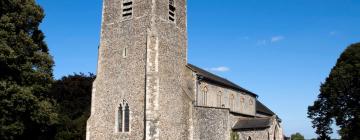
column 205, row 75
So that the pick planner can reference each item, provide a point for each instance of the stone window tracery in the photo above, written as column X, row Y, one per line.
column 219, row 99
column 231, row 102
column 123, row 117
column 127, row 118
column 251, row 102
column 120, row 118
column 204, row 96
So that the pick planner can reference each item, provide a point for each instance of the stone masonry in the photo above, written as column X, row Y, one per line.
column 142, row 64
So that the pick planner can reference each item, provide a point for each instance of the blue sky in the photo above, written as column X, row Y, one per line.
column 280, row 49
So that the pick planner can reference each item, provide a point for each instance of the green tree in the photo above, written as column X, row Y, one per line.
column 297, row 136
column 339, row 98
column 234, row 136
column 73, row 94
column 26, row 112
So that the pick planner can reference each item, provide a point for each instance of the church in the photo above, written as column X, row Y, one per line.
column 146, row 90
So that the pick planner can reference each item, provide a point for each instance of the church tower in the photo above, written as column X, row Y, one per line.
column 138, row 93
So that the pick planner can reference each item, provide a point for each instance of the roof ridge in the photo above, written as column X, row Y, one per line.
column 218, row 79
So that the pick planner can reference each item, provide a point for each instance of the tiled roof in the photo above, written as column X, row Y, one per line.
column 252, row 123
column 205, row 75
column 262, row 109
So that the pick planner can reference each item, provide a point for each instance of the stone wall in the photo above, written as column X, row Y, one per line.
column 142, row 59
column 234, row 100
column 274, row 132
column 113, row 84
column 254, row 135
column 211, row 123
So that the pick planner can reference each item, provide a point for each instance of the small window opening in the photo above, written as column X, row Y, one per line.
column 127, row 8
column 172, row 10
column 125, row 52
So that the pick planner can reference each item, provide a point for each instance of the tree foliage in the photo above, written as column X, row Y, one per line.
column 297, row 136
column 234, row 136
column 339, row 98
column 73, row 94
column 26, row 112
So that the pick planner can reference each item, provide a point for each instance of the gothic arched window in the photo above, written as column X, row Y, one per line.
column 231, row 101
column 123, row 117
column 219, row 99
column 204, row 96
column 120, row 118
column 127, row 118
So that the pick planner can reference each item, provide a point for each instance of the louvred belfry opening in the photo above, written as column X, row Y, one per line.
column 127, row 8
column 172, row 10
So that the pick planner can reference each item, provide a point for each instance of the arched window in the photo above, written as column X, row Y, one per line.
column 251, row 102
column 242, row 99
column 219, row 99
column 231, row 102
column 123, row 117
column 204, row 96
column 249, row 138
column 120, row 118
column 127, row 118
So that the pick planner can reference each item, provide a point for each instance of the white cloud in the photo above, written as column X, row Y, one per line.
column 277, row 39
column 246, row 38
column 332, row 33
column 273, row 39
column 261, row 42
column 220, row 69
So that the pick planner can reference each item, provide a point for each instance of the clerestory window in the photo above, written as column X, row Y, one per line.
column 232, row 97
column 204, row 96
column 219, row 99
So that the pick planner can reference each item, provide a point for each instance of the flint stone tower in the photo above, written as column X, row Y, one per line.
column 141, row 64
column 145, row 90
